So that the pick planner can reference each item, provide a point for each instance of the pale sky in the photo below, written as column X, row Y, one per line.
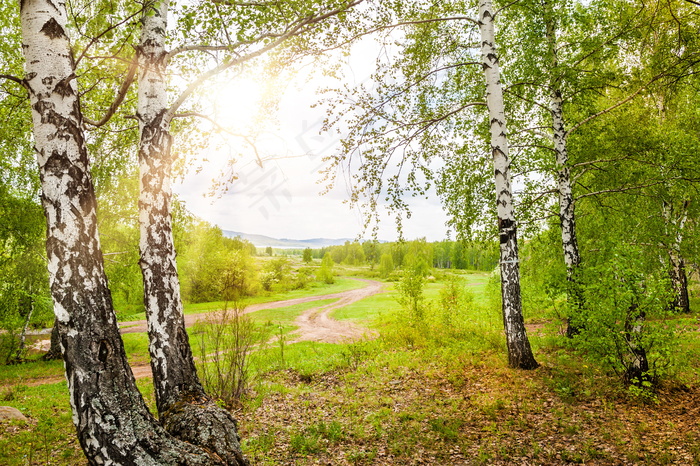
column 282, row 198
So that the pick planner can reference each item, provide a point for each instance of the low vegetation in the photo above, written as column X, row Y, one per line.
column 432, row 388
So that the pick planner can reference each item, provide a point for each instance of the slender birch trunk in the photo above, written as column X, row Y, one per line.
column 19, row 354
column 637, row 370
column 677, row 273
column 185, row 410
column 567, row 218
column 519, row 351
column 112, row 421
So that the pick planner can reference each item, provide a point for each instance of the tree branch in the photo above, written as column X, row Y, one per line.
column 121, row 95
column 613, row 107
column 223, row 130
column 19, row 81
column 294, row 31
column 620, row 190
column 96, row 38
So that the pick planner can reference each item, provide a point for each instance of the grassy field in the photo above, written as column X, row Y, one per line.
column 314, row 289
column 436, row 391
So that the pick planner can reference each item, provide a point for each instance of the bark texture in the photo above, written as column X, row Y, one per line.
column 675, row 220
column 185, row 410
column 637, row 363
column 113, row 423
column 54, row 351
column 567, row 217
column 519, row 352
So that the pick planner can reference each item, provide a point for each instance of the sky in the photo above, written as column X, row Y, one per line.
column 282, row 197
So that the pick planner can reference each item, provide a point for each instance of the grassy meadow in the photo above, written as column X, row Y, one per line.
column 433, row 389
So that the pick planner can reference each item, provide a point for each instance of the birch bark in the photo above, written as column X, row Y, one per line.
column 677, row 273
column 519, row 351
column 567, row 217
column 112, row 421
column 185, row 410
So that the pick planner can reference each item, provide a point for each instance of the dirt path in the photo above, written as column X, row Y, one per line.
column 334, row 331
column 314, row 324
column 317, row 325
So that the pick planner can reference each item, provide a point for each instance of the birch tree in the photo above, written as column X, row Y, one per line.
column 427, row 116
column 113, row 423
column 519, row 352
column 182, row 403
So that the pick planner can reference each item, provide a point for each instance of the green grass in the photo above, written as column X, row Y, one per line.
column 26, row 373
column 314, row 289
column 49, row 436
column 288, row 314
column 433, row 390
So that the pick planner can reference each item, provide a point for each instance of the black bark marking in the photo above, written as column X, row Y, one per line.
column 52, row 29
column 506, row 229
column 64, row 88
column 104, row 351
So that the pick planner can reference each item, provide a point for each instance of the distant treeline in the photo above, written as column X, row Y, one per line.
column 440, row 254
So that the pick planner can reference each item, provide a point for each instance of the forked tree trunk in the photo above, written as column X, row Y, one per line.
column 185, row 410
column 679, row 281
column 519, row 351
column 112, row 421
column 567, row 217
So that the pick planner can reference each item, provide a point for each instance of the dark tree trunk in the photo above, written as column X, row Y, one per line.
column 679, row 281
column 185, row 410
column 112, row 421
column 637, row 367
column 55, row 347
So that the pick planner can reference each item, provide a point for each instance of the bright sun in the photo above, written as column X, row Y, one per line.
column 236, row 103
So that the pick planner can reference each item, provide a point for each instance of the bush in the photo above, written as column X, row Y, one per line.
column 625, row 324
column 325, row 273
column 411, row 297
column 227, row 340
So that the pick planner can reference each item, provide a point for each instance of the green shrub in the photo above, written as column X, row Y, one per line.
column 625, row 323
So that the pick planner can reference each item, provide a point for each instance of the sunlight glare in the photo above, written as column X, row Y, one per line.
column 237, row 103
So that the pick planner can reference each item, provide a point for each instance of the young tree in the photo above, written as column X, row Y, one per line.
column 325, row 273
column 307, row 257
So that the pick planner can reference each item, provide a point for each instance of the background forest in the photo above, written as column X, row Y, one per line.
column 587, row 239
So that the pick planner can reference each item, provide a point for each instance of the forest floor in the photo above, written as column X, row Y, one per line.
column 413, row 395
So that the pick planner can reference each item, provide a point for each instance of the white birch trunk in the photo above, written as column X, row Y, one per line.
column 677, row 273
column 637, row 371
column 171, row 358
column 519, row 351
column 113, row 423
column 185, row 409
column 567, row 217
column 19, row 355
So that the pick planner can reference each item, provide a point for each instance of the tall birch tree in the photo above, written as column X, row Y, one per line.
column 519, row 351
column 182, row 403
column 113, row 423
column 401, row 126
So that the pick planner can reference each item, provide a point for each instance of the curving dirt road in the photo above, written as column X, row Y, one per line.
column 314, row 324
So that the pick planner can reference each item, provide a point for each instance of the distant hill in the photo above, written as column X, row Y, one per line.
column 262, row 241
